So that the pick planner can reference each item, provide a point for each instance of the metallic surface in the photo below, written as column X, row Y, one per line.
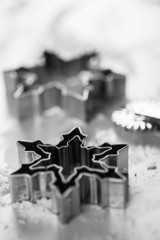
column 140, row 219
column 71, row 173
column 34, row 94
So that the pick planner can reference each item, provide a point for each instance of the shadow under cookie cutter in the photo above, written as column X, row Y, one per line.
column 71, row 174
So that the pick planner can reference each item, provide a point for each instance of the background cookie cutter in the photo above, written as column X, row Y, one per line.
column 70, row 174
column 33, row 96
column 114, row 82
column 36, row 101
column 70, row 67
column 48, row 65
column 111, row 85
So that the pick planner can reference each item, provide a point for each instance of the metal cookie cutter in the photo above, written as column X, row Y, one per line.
column 75, row 102
column 70, row 67
column 71, row 174
column 34, row 95
column 46, row 68
column 139, row 115
column 35, row 91
column 109, row 84
column 21, row 75
column 36, row 101
column 23, row 88
column 94, row 89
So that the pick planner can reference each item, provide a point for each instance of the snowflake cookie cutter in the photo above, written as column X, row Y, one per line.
column 71, row 174
column 36, row 93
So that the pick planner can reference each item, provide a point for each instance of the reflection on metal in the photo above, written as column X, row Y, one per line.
column 140, row 115
column 108, row 84
column 71, row 174
column 48, row 65
column 50, row 95
column 35, row 94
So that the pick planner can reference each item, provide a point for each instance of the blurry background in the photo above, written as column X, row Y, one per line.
column 125, row 32
column 126, row 35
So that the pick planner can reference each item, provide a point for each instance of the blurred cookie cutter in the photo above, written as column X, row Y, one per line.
column 52, row 94
column 95, row 87
column 70, row 67
column 71, row 174
column 138, row 116
column 34, row 96
column 115, row 82
column 109, row 84
column 47, row 65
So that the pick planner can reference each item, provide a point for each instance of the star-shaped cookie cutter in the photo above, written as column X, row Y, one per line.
column 71, row 174
column 46, row 67
column 68, row 67
column 34, row 96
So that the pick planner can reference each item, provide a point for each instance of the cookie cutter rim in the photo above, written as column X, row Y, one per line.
column 91, row 173
column 39, row 102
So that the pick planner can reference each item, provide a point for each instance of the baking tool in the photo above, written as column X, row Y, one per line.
column 139, row 116
column 71, row 174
